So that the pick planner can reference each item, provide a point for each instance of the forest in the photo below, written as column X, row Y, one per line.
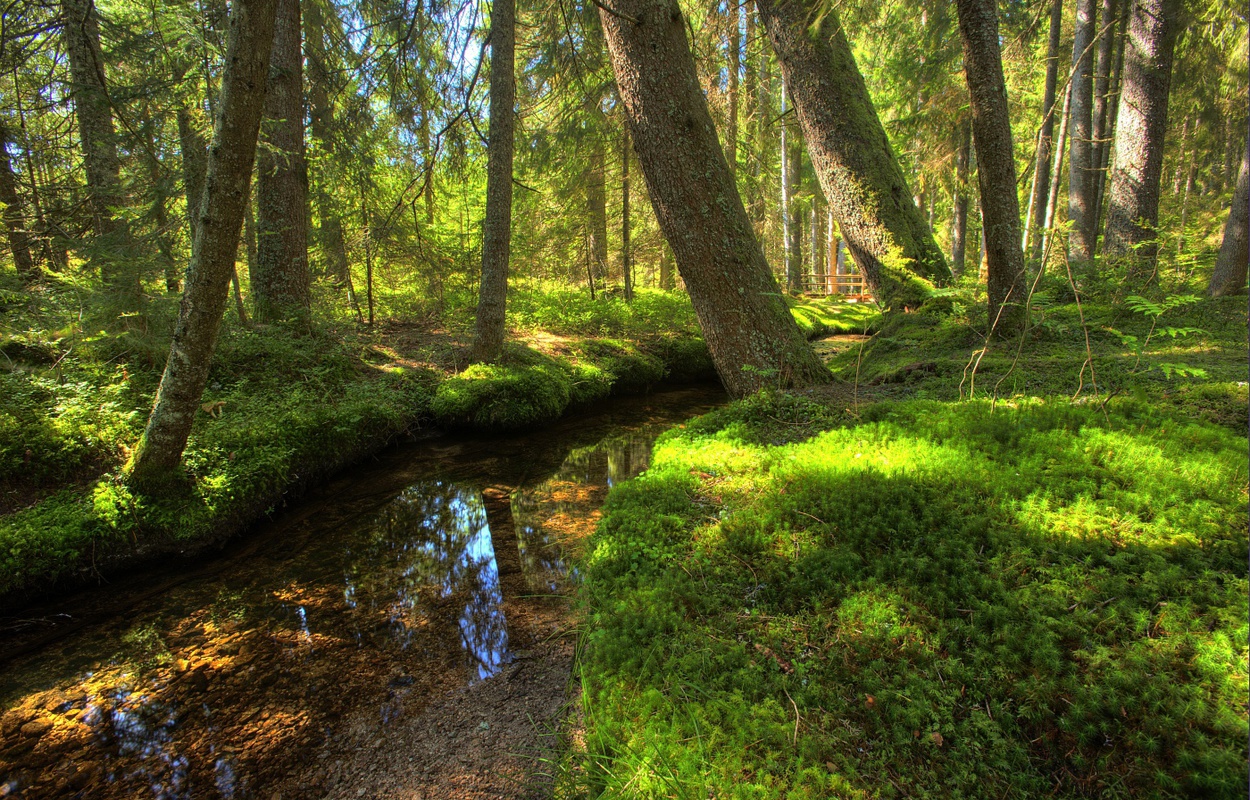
column 624, row 398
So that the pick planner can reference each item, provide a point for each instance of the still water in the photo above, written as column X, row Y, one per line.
column 415, row 574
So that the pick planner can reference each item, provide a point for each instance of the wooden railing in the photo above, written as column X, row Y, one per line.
column 850, row 287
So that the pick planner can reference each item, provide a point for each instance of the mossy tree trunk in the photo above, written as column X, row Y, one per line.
column 1229, row 276
column 752, row 337
column 996, row 166
column 155, row 461
column 280, row 277
column 492, row 300
column 885, row 231
column 1133, row 201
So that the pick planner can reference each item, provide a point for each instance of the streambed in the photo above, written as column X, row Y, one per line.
column 401, row 632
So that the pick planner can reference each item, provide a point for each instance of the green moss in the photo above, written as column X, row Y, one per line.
column 940, row 600
column 498, row 397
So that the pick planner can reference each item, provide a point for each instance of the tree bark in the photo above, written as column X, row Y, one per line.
column 321, row 123
column 194, row 166
column 1113, row 110
column 1080, row 166
column 14, row 216
column 1229, row 276
column 1133, row 203
column 996, row 166
column 94, row 111
column 887, row 235
column 959, row 216
column 156, row 458
column 1046, row 138
column 497, row 231
column 752, row 337
column 280, row 277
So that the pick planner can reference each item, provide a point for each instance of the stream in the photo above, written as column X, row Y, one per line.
column 440, row 565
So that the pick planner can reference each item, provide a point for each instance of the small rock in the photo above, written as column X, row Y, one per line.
column 36, row 728
column 181, row 665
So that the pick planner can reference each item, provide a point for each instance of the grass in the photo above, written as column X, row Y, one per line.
column 990, row 588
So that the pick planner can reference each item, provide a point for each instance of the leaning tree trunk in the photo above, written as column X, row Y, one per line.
column 94, row 112
column 885, row 231
column 156, row 458
column 753, row 339
column 996, row 166
column 14, row 218
column 1046, row 136
column 1080, row 165
column 1133, row 202
column 1229, row 276
column 492, row 300
column 280, row 277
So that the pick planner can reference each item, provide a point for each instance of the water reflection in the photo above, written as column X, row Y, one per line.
column 429, row 547
column 553, row 511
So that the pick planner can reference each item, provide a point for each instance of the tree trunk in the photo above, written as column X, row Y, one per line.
column 14, row 218
column 1080, row 167
column 280, row 277
column 160, row 195
column 959, row 217
column 1056, row 174
column 735, row 66
column 792, row 168
column 321, row 117
column 194, row 166
column 595, row 181
column 752, row 337
column 861, row 178
column 627, row 263
column 750, row 103
column 1229, row 276
column 1045, row 138
column 787, row 220
column 497, row 230
column 1103, row 67
column 1113, row 110
column 996, row 166
column 156, row 458
column 666, row 268
column 1133, row 204
column 94, row 111
column 1190, row 171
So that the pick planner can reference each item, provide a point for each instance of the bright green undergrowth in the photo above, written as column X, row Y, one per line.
column 820, row 317
column 935, row 600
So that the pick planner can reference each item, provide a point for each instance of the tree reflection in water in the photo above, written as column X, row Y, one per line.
column 575, row 490
column 428, row 548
